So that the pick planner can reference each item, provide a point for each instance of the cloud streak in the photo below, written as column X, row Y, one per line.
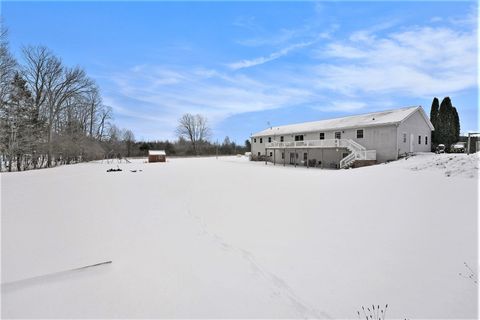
column 273, row 56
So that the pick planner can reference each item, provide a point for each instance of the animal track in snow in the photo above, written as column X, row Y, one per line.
column 279, row 288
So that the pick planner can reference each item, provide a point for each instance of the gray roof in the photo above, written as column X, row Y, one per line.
column 394, row 116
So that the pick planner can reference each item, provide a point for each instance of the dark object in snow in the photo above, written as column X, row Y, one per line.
column 133, row 170
column 53, row 275
column 470, row 274
column 114, row 170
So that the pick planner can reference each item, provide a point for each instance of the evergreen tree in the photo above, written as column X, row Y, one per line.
column 441, row 123
column 17, row 122
column 448, row 123
column 248, row 145
column 434, row 120
column 456, row 122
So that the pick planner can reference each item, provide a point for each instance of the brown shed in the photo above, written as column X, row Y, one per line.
column 156, row 156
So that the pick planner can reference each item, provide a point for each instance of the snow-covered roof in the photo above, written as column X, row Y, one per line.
column 156, row 152
column 363, row 120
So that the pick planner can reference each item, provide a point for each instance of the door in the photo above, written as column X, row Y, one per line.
column 292, row 158
column 411, row 142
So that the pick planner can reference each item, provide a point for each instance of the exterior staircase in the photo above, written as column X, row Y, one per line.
column 357, row 152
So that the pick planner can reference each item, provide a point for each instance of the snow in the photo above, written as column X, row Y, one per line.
column 156, row 152
column 363, row 120
column 451, row 165
column 232, row 238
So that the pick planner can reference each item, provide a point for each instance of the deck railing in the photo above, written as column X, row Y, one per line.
column 326, row 143
column 357, row 151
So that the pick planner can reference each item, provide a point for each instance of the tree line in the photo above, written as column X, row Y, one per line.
column 51, row 113
column 183, row 147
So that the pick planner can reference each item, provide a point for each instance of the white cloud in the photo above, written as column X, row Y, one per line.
column 273, row 56
column 209, row 92
column 345, row 106
column 368, row 69
column 420, row 61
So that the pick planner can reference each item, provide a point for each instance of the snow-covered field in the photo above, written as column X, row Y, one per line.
column 208, row 238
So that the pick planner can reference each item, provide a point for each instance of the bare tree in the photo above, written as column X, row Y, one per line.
column 7, row 65
column 39, row 64
column 94, row 101
column 129, row 140
column 104, row 114
column 52, row 114
column 193, row 128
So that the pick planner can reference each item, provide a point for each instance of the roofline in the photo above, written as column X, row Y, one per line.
column 258, row 134
column 424, row 115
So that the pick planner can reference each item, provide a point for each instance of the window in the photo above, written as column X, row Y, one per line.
column 404, row 137
column 426, row 140
column 283, row 155
column 261, row 140
column 281, row 140
column 259, row 153
column 255, row 140
column 269, row 139
column 345, row 154
column 305, row 156
column 360, row 134
column 419, row 139
column 338, row 135
column 271, row 154
column 322, row 135
column 299, row 137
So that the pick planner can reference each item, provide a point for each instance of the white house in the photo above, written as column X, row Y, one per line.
column 355, row 140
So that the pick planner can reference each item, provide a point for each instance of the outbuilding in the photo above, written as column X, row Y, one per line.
column 156, row 156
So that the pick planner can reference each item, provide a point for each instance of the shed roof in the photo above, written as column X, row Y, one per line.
column 363, row 120
column 156, row 153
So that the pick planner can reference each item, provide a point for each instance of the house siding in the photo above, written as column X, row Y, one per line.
column 382, row 139
column 386, row 140
column 417, row 126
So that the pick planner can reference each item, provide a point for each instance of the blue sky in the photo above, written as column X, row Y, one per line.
column 246, row 64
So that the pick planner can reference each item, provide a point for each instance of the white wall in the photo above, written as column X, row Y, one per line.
column 381, row 138
column 417, row 126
